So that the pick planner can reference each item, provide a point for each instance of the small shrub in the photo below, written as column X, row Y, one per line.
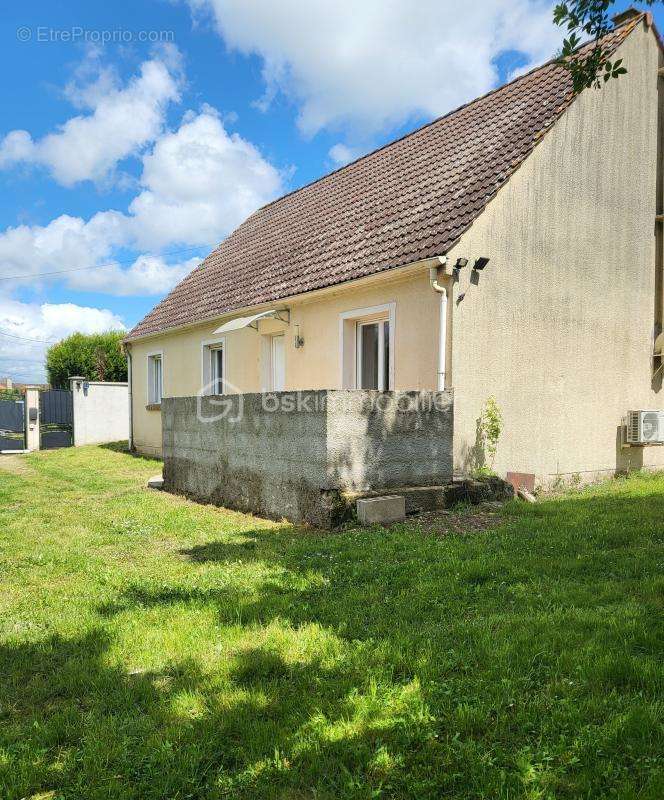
column 490, row 427
column 482, row 472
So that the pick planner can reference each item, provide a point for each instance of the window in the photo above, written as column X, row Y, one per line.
column 217, row 370
column 155, row 379
column 373, row 355
column 367, row 347
column 214, row 366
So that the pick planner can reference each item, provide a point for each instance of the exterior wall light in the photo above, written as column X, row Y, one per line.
column 481, row 263
column 299, row 341
column 461, row 263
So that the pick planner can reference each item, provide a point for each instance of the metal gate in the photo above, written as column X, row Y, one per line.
column 12, row 425
column 56, row 419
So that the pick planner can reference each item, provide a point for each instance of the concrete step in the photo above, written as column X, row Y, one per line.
column 156, row 482
column 420, row 499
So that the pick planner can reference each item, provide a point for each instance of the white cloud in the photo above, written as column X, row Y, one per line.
column 342, row 154
column 65, row 243
column 71, row 243
column 24, row 360
column 147, row 276
column 16, row 146
column 122, row 121
column 375, row 64
column 199, row 183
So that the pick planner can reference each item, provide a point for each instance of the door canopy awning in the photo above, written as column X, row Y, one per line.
column 238, row 323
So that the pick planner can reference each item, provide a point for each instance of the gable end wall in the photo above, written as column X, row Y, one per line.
column 560, row 325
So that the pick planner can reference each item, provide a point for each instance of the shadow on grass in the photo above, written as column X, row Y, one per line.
column 76, row 725
column 582, row 552
column 123, row 447
column 525, row 661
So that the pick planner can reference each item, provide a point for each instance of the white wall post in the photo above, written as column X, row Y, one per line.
column 31, row 418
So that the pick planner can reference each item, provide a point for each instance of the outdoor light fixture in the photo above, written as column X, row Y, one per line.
column 299, row 341
column 461, row 263
column 481, row 263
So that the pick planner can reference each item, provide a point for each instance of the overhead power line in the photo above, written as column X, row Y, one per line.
column 95, row 266
column 26, row 339
column 14, row 360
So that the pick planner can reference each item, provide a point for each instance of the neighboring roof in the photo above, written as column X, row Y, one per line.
column 410, row 200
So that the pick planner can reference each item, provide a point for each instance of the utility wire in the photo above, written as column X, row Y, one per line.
column 14, row 360
column 76, row 269
column 96, row 266
column 26, row 339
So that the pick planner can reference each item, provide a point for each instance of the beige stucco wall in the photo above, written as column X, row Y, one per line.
column 560, row 325
column 317, row 365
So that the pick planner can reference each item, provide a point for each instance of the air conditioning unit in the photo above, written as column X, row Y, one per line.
column 644, row 427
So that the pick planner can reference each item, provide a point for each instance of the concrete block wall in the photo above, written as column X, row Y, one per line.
column 293, row 455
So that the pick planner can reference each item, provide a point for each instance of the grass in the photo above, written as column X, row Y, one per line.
column 152, row 648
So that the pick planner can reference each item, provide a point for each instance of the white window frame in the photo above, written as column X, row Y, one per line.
column 349, row 345
column 208, row 347
column 150, row 358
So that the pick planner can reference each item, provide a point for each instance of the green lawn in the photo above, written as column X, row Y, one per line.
column 152, row 648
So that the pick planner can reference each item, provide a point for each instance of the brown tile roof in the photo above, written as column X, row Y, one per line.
column 411, row 199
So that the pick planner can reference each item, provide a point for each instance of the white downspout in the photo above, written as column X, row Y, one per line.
column 131, row 399
column 442, row 333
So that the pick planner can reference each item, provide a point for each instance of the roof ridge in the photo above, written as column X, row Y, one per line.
column 516, row 79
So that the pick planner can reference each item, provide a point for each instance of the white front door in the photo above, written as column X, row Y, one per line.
column 278, row 359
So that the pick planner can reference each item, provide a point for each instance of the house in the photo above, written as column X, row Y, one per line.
column 10, row 385
column 512, row 248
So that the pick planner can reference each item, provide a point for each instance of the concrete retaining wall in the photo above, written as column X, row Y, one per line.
column 295, row 454
column 101, row 412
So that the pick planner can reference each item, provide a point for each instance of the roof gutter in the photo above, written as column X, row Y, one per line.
column 433, row 265
column 396, row 273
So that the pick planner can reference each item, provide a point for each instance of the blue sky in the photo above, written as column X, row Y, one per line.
column 141, row 153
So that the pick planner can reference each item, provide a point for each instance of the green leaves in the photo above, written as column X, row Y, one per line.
column 491, row 427
column 97, row 357
column 614, row 70
column 587, row 19
column 560, row 13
